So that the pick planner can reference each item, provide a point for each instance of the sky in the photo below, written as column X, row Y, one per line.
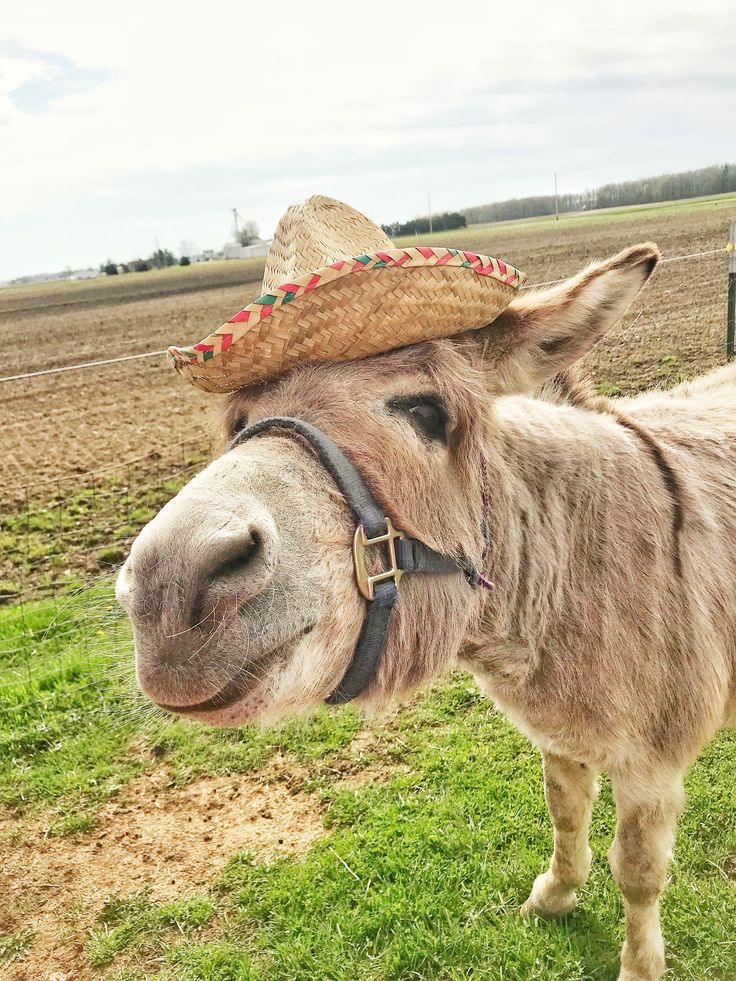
column 124, row 125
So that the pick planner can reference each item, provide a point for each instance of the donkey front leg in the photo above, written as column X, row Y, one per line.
column 570, row 789
column 647, row 814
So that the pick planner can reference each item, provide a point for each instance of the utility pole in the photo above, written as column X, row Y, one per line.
column 429, row 212
column 557, row 210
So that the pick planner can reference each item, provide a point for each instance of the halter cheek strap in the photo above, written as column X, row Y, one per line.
column 373, row 529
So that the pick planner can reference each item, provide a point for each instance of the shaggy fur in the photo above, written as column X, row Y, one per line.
column 610, row 639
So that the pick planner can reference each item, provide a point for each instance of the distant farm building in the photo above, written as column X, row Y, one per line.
column 235, row 251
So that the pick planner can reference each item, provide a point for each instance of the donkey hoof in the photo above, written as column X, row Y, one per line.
column 549, row 898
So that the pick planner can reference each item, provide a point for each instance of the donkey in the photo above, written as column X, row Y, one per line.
column 606, row 527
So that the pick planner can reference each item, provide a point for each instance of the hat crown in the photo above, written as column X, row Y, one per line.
column 315, row 234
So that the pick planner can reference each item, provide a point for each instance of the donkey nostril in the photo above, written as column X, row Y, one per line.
column 248, row 549
column 240, row 567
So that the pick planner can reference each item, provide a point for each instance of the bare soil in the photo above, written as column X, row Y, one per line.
column 171, row 841
column 57, row 427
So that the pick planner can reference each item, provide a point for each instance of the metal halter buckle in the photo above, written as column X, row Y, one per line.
column 360, row 543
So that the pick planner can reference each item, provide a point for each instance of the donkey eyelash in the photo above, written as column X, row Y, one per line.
column 427, row 413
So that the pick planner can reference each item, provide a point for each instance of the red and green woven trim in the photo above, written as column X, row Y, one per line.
column 225, row 336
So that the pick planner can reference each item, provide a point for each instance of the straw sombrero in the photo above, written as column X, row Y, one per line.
column 336, row 288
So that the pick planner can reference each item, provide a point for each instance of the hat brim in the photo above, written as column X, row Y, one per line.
column 350, row 309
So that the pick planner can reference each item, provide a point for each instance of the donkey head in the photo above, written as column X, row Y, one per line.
column 242, row 591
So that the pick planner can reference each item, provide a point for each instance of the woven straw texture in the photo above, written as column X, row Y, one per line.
column 327, row 299
column 315, row 234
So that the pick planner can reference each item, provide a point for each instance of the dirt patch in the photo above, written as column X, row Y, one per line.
column 174, row 841
column 92, row 419
column 363, row 762
column 729, row 867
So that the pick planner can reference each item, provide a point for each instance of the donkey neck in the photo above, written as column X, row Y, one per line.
column 580, row 506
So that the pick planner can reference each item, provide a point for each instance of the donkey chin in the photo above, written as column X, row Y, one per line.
column 256, row 686
column 239, row 666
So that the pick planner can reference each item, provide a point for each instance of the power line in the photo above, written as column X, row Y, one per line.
column 84, row 364
column 158, row 354
column 694, row 255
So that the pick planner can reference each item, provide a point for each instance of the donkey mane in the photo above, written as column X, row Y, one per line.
column 571, row 387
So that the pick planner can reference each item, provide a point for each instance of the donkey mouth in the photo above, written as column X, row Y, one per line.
column 237, row 688
column 232, row 692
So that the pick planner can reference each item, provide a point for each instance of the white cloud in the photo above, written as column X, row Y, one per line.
column 47, row 77
column 156, row 118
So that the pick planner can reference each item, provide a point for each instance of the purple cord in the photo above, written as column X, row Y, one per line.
column 485, row 583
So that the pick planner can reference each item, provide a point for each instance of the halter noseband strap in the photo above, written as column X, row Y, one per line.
column 373, row 528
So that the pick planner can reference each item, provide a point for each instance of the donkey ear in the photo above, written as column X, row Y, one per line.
column 544, row 332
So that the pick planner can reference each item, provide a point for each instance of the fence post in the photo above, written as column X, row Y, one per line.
column 731, row 316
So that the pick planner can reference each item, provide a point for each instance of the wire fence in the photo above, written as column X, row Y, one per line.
column 61, row 540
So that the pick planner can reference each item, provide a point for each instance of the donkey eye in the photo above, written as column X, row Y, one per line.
column 427, row 414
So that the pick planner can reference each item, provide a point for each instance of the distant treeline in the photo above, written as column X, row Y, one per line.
column 160, row 259
column 420, row 226
column 666, row 187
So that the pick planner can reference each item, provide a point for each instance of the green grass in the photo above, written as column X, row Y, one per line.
column 136, row 922
column 14, row 945
column 418, row 876
column 73, row 729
